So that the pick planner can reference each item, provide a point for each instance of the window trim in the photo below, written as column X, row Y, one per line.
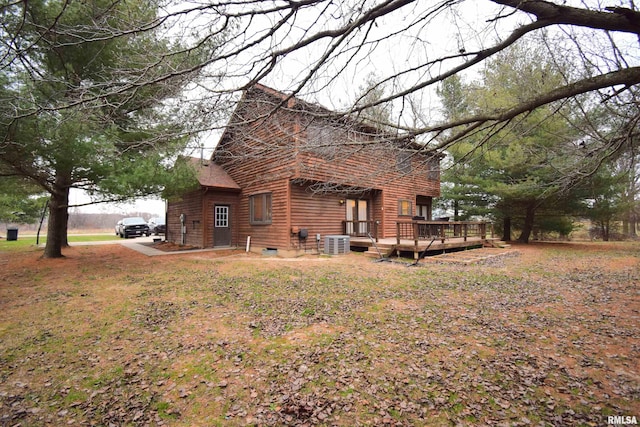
column 221, row 216
column 266, row 200
column 409, row 205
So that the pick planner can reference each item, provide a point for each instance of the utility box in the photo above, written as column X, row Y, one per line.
column 336, row 245
column 12, row 234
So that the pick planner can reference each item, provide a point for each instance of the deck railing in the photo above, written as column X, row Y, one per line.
column 418, row 230
column 360, row 228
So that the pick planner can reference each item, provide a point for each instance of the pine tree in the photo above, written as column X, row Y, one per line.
column 89, row 93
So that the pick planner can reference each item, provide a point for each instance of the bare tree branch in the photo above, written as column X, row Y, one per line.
column 625, row 77
column 619, row 19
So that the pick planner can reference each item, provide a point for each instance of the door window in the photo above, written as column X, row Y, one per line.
column 222, row 216
column 357, row 216
column 424, row 211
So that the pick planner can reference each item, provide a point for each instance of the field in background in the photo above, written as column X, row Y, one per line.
column 85, row 221
column 546, row 336
column 26, row 241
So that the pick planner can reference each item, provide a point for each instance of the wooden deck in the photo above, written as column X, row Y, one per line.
column 388, row 246
column 419, row 236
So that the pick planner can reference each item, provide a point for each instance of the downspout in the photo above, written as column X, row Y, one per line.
column 296, row 171
column 166, row 220
column 204, row 211
column 183, row 229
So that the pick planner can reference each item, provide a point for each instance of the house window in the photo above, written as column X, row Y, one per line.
column 405, row 207
column 323, row 140
column 260, row 209
column 434, row 170
column 403, row 162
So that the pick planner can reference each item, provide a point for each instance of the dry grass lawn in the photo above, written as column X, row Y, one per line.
column 547, row 335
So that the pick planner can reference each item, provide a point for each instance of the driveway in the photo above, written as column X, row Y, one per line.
column 118, row 240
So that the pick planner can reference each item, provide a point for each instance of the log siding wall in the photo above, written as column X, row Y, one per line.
column 191, row 206
column 198, row 209
column 318, row 213
column 271, row 150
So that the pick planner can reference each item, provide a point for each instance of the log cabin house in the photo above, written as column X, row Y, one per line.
column 286, row 174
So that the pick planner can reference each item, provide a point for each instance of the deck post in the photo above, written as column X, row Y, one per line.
column 466, row 231
column 483, row 230
column 398, row 233
column 415, row 234
column 442, row 235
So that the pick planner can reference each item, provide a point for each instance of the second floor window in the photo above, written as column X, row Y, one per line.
column 323, row 140
column 260, row 209
column 403, row 162
column 433, row 173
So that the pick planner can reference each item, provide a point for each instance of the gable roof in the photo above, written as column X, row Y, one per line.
column 293, row 103
column 212, row 175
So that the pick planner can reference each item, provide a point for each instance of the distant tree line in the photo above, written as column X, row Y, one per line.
column 82, row 221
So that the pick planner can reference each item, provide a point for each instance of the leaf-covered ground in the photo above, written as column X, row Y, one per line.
column 548, row 335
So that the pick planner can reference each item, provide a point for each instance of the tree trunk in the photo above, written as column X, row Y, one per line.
column 58, row 219
column 528, row 223
column 605, row 230
column 629, row 225
column 506, row 229
column 55, row 228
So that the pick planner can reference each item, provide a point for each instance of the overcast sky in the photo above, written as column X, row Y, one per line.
column 155, row 207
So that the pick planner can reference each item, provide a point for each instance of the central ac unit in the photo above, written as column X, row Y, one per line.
column 336, row 245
